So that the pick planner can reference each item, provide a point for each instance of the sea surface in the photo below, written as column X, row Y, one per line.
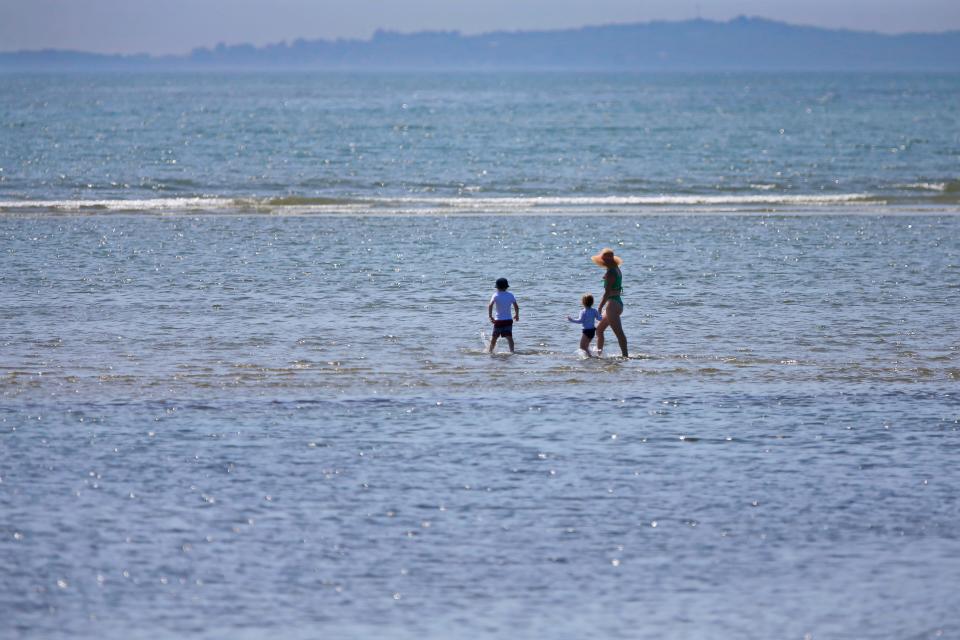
column 244, row 391
column 303, row 142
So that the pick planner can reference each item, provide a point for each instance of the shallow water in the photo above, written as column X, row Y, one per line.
column 254, row 425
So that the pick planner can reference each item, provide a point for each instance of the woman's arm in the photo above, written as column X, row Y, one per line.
column 607, row 291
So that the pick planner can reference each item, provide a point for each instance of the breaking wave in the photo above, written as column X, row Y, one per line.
column 938, row 194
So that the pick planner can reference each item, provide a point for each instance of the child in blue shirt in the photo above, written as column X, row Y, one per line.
column 588, row 318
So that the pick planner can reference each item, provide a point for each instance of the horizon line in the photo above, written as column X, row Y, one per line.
column 459, row 33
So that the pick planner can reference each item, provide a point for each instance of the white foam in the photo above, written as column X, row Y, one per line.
column 147, row 204
column 925, row 186
column 412, row 205
column 645, row 200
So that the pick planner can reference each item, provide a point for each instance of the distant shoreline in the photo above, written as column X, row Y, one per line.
column 741, row 44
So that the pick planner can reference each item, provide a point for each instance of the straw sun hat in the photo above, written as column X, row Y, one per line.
column 600, row 261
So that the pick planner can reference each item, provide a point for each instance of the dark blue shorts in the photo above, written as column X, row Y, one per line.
column 503, row 327
column 590, row 333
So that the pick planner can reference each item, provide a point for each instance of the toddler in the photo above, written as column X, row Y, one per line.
column 588, row 318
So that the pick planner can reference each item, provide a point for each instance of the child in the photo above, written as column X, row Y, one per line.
column 588, row 318
column 503, row 324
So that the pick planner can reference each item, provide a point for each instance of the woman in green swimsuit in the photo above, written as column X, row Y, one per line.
column 611, row 305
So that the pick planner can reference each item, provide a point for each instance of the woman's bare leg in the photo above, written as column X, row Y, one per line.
column 611, row 317
column 621, row 337
column 603, row 324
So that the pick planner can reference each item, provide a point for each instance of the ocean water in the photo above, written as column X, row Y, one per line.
column 301, row 142
column 244, row 394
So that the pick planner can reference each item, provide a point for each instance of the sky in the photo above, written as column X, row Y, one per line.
column 177, row 26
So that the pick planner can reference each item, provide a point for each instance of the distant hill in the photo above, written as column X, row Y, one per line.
column 742, row 44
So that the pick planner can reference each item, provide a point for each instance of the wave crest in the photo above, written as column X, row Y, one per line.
column 944, row 193
column 408, row 203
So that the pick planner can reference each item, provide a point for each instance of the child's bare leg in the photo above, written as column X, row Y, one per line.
column 493, row 343
column 510, row 342
column 585, row 343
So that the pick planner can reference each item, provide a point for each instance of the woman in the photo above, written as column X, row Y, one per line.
column 611, row 305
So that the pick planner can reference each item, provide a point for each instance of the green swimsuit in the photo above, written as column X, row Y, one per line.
column 617, row 284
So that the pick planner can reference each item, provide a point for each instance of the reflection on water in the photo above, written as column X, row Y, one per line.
column 477, row 141
column 257, row 426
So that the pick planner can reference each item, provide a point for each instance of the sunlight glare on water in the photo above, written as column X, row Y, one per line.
column 244, row 390
column 229, row 417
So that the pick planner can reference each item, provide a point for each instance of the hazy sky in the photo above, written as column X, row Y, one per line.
column 176, row 26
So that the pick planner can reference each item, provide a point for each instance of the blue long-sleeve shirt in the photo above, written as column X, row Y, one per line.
column 588, row 318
